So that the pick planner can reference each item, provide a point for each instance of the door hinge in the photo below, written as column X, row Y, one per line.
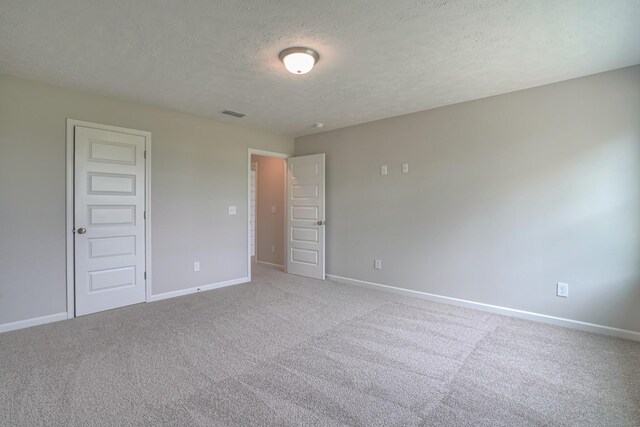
column 144, row 214
column 145, row 154
column 145, row 275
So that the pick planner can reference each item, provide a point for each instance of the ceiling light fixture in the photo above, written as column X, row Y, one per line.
column 299, row 60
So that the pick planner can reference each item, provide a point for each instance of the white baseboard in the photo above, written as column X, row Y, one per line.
column 20, row 324
column 208, row 287
column 544, row 318
column 271, row 264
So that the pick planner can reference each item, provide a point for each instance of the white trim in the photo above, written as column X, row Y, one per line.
column 208, row 287
column 147, row 223
column 270, row 264
column 69, row 220
column 543, row 318
column 285, row 182
column 20, row 324
column 253, row 168
column 265, row 153
column 71, row 123
column 258, row 152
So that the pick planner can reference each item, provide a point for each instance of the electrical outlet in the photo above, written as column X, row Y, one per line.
column 377, row 264
column 384, row 170
column 273, row 209
column 562, row 290
column 232, row 210
column 405, row 168
column 196, row 266
column 273, row 249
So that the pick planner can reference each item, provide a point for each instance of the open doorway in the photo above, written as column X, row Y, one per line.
column 267, row 204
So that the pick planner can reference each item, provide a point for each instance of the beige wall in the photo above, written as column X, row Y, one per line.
column 198, row 170
column 505, row 196
column 270, row 226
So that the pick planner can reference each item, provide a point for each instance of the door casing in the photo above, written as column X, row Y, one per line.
column 70, row 196
column 253, row 188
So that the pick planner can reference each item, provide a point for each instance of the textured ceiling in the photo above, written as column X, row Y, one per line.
column 379, row 58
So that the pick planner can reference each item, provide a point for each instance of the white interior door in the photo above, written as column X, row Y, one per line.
column 306, row 216
column 109, row 215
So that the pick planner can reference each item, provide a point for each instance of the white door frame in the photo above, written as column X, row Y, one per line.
column 71, row 123
column 255, row 211
column 258, row 152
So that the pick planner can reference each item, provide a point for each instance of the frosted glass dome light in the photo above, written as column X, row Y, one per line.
column 299, row 60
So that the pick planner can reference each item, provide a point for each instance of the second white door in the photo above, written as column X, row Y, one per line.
column 306, row 216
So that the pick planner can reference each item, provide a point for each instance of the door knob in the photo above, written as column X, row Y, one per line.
column 321, row 223
column 82, row 230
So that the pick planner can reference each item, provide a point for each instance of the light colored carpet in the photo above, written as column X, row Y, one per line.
column 285, row 350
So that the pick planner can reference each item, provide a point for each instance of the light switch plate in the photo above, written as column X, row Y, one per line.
column 384, row 170
column 405, row 168
column 273, row 209
column 232, row 210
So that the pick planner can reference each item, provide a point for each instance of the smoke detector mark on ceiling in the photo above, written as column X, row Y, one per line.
column 233, row 113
